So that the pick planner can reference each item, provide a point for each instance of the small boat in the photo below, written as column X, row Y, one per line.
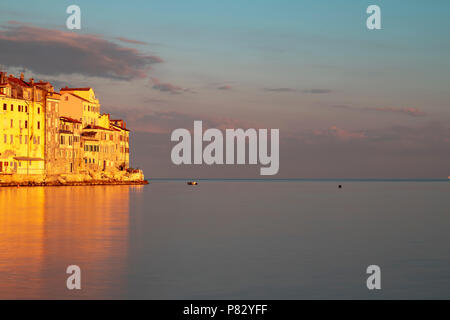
column 192, row 183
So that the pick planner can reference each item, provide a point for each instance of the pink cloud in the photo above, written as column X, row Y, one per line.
column 167, row 87
column 340, row 133
column 408, row 111
column 414, row 112
column 225, row 87
column 126, row 40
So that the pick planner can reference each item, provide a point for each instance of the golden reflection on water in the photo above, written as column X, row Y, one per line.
column 44, row 230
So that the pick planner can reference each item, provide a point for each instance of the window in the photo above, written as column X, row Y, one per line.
column 26, row 108
column 5, row 138
column 12, row 123
column 38, row 140
column 5, row 106
column 12, row 107
column 39, row 110
column 20, row 139
column 38, row 124
column 26, row 139
column 11, row 139
column 20, row 124
column 26, row 124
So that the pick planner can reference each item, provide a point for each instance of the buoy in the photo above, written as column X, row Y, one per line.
column 192, row 183
column 340, row 186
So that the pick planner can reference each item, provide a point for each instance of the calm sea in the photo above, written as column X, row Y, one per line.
column 233, row 239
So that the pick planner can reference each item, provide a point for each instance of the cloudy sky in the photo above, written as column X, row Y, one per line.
column 349, row 102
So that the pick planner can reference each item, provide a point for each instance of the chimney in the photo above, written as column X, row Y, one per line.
column 31, row 81
column 22, row 76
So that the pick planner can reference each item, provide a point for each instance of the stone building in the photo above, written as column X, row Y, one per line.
column 22, row 125
column 70, row 152
column 51, row 133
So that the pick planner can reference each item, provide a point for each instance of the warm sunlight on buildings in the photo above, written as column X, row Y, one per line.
column 22, row 120
column 46, row 132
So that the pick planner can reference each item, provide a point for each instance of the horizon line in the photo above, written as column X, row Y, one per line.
column 301, row 179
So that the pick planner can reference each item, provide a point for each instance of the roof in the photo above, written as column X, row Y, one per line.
column 75, row 89
column 67, row 119
column 119, row 127
column 77, row 96
column 54, row 95
column 95, row 128
column 18, row 82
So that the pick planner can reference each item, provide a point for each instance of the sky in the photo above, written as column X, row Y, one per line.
column 349, row 102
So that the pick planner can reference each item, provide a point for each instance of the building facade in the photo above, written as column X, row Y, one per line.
column 50, row 133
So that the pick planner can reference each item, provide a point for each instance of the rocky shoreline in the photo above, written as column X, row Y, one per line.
column 67, row 184
column 135, row 177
